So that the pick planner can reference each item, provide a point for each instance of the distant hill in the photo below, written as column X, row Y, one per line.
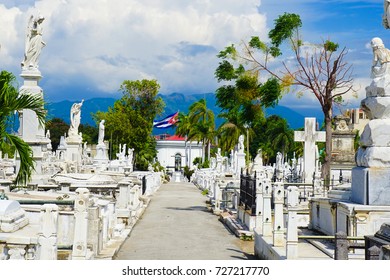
column 62, row 109
column 177, row 102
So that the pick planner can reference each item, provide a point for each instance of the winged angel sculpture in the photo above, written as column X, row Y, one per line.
column 34, row 42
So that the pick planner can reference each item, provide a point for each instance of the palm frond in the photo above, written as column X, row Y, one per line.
column 26, row 158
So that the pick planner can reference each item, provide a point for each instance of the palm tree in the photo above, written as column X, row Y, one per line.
column 11, row 101
column 279, row 134
column 183, row 126
column 202, row 124
column 230, row 131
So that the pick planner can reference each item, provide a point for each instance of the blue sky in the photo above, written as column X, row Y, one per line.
column 92, row 46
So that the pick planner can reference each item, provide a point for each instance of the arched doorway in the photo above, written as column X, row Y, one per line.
column 178, row 162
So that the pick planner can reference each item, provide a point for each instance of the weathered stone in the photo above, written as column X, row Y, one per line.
column 12, row 216
column 376, row 133
column 373, row 157
column 379, row 86
column 371, row 186
column 376, row 107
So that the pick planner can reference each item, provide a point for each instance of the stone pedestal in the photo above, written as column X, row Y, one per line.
column 101, row 157
column 30, row 130
column 370, row 186
column 74, row 149
column 240, row 162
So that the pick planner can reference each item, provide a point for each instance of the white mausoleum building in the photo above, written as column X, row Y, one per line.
column 173, row 152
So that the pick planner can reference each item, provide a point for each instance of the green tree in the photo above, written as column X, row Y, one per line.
column 11, row 101
column 58, row 127
column 202, row 125
column 242, row 97
column 183, row 125
column 90, row 133
column 317, row 68
column 279, row 135
column 130, row 120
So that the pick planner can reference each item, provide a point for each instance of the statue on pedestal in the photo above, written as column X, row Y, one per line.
column 241, row 144
column 34, row 42
column 101, row 133
column 75, row 118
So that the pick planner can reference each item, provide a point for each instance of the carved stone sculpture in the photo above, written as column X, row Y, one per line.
column 34, row 43
column 101, row 132
column 75, row 118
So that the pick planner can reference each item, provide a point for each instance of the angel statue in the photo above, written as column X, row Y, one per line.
column 34, row 42
column 75, row 118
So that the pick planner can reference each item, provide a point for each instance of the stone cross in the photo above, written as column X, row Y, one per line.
column 310, row 136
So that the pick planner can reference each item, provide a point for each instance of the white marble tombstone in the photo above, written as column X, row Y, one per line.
column 47, row 237
column 309, row 136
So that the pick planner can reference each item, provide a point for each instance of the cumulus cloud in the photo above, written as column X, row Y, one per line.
column 105, row 42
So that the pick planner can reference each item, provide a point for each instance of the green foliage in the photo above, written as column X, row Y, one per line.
column 270, row 92
column 90, row 133
column 130, row 120
column 11, row 101
column 197, row 161
column 330, row 46
column 257, row 44
column 157, row 167
column 58, row 127
column 225, row 71
column 198, row 125
column 228, row 52
column 356, row 141
column 188, row 172
column 272, row 136
column 284, row 28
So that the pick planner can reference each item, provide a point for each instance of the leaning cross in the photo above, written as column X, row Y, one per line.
column 310, row 136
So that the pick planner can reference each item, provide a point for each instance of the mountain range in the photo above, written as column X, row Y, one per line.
column 177, row 102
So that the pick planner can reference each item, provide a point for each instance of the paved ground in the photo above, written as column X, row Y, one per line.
column 177, row 226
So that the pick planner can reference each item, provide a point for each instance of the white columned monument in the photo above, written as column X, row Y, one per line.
column 371, row 177
column 310, row 136
column 30, row 130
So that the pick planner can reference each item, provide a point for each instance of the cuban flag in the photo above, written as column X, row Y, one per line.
column 167, row 121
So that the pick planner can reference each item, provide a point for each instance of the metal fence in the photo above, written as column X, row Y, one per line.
column 248, row 192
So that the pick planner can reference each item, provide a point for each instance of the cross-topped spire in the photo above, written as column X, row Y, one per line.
column 310, row 136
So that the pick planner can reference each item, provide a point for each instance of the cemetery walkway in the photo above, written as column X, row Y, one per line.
column 178, row 226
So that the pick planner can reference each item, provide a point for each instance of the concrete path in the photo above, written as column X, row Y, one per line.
column 177, row 226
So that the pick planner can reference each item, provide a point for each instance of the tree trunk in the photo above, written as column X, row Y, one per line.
column 203, row 151
column 328, row 147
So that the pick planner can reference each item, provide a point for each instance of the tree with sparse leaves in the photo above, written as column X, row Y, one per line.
column 320, row 69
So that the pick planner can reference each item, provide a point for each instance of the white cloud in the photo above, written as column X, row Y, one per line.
column 105, row 42
column 95, row 45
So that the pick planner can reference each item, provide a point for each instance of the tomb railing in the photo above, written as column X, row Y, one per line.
column 248, row 192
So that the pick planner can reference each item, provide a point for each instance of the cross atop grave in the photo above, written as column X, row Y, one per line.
column 310, row 136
